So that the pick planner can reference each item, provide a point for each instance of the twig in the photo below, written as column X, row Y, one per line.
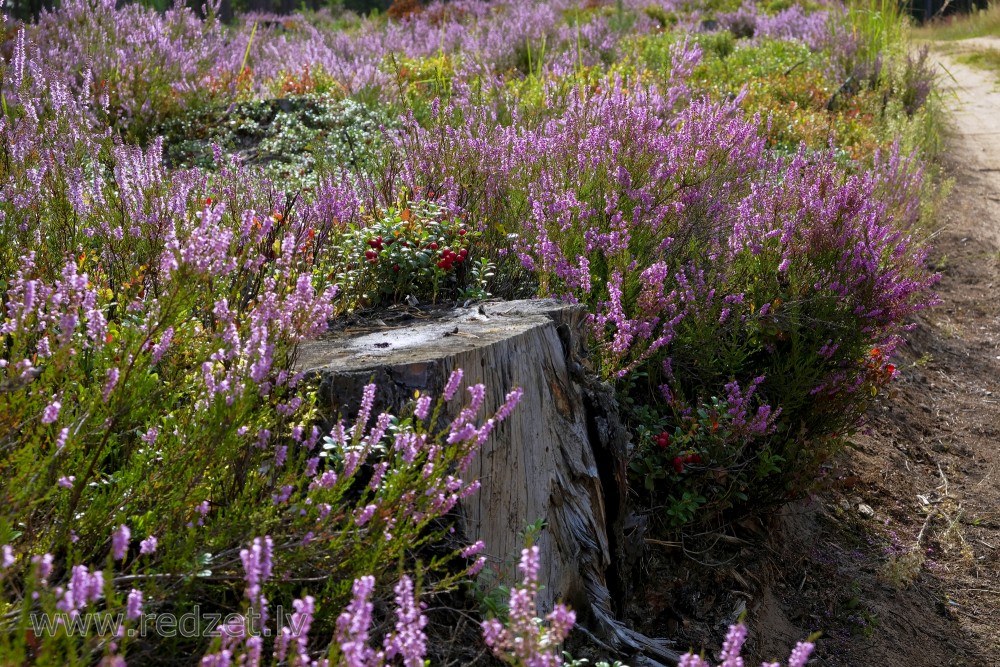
column 943, row 478
column 979, row 590
column 927, row 521
column 662, row 543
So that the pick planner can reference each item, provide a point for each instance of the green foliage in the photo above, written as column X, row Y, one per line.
column 692, row 467
column 720, row 44
column 416, row 250
column 988, row 59
column 664, row 18
column 293, row 138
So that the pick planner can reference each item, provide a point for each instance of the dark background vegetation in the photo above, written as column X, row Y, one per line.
column 921, row 10
column 29, row 9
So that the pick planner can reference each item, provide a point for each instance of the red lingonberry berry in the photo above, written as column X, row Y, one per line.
column 663, row 440
column 678, row 465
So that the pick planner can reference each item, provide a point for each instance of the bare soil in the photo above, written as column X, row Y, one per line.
column 897, row 560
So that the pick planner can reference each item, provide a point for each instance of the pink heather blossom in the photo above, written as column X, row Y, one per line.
column 525, row 639
column 51, row 412
column 423, row 407
column 473, row 549
column 257, row 565
column 476, row 567
column 733, row 645
column 354, row 622
column 66, row 482
column 109, row 386
column 44, row 565
column 119, row 541
column 364, row 412
column 7, row 558
column 510, row 402
column 300, row 623
column 477, row 392
column 408, row 641
column 363, row 515
column 452, row 386
column 148, row 545
column 84, row 588
column 311, row 466
column 800, row 655
column 134, row 607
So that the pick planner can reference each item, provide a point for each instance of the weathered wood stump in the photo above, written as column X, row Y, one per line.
column 559, row 457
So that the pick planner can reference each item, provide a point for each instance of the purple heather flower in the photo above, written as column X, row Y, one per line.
column 109, row 386
column 363, row 515
column 364, row 412
column 44, row 564
column 733, row 646
column 354, row 622
column 148, row 545
column 800, row 654
column 452, row 386
column 257, row 570
column 134, row 607
column 423, row 407
column 473, row 549
column 408, row 641
column 510, row 402
column 7, row 558
column 476, row 567
column 119, row 541
column 51, row 412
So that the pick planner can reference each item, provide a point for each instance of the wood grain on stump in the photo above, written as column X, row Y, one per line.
column 559, row 457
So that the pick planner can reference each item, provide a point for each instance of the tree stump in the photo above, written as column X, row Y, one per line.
column 559, row 457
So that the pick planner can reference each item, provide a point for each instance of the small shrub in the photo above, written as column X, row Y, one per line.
column 417, row 250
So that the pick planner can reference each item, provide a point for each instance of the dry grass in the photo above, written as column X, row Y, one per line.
column 983, row 23
column 988, row 59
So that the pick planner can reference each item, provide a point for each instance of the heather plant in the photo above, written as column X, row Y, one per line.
column 733, row 647
column 742, row 226
column 710, row 264
column 152, row 417
column 524, row 640
column 148, row 64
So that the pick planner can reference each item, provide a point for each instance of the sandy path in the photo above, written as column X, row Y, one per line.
column 933, row 462
column 921, row 578
column 973, row 97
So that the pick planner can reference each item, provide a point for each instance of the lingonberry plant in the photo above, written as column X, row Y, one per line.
column 415, row 249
